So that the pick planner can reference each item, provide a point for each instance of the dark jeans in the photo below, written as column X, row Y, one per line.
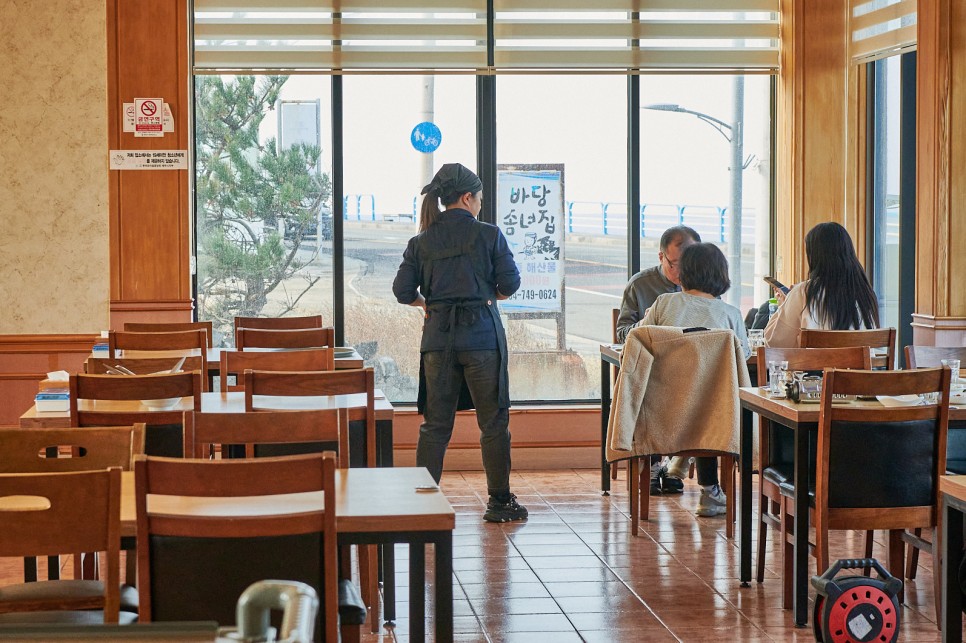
column 707, row 469
column 480, row 370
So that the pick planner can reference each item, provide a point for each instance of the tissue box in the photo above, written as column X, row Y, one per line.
column 52, row 401
column 53, row 385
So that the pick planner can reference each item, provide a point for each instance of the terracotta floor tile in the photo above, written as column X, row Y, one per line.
column 507, row 623
column 488, row 607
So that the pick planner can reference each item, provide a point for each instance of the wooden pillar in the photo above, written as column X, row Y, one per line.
column 813, row 121
column 150, row 229
column 940, row 318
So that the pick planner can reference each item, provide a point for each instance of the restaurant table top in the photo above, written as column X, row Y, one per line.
column 808, row 412
column 212, row 402
column 367, row 500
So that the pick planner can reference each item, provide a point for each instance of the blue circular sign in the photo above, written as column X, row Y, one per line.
column 426, row 137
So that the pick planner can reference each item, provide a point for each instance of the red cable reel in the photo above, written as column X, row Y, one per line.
column 856, row 609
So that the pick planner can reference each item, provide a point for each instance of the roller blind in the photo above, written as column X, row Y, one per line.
column 881, row 28
column 642, row 34
column 400, row 35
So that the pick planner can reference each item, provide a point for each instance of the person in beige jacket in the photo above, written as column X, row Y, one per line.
column 704, row 278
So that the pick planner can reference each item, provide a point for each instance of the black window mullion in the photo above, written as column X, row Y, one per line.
column 633, row 174
column 338, row 213
column 907, row 198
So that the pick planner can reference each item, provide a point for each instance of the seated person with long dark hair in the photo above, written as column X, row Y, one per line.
column 836, row 296
column 704, row 278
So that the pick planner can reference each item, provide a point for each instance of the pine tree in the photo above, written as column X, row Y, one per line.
column 247, row 193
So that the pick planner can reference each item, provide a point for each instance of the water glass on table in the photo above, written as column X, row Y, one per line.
column 955, row 385
column 776, row 377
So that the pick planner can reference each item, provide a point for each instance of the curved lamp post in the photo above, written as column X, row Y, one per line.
column 732, row 132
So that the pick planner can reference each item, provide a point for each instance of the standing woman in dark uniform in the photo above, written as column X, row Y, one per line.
column 456, row 269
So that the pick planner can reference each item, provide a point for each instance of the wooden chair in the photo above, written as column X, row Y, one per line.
column 237, row 362
column 279, row 323
column 193, row 564
column 317, row 383
column 202, row 430
column 246, row 338
column 874, row 338
column 117, row 405
column 58, row 451
column 169, row 327
column 775, row 458
column 185, row 341
column 903, row 456
column 63, row 513
column 931, row 357
column 143, row 365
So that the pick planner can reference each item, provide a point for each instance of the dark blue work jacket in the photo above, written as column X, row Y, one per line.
column 458, row 265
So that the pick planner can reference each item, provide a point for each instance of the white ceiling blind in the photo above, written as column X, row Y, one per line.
column 291, row 35
column 881, row 28
column 637, row 34
column 441, row 35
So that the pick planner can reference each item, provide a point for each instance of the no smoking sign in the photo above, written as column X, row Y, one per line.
column 148, row 117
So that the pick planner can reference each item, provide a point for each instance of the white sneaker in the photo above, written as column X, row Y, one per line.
column 712, row 503
column 679, row 467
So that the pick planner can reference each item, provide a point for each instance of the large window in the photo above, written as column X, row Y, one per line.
column 891, row 193
column 573, row 125
column 384, row 174
column 262, row 199
column 705, row 150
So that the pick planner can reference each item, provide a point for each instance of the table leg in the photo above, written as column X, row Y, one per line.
column 744, row 519
column 444, row 587
column 800, row 582
column 604, row 414
column 417, row 591
column 389, row 582
column 952, row 557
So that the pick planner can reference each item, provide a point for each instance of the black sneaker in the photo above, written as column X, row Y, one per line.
column 508, row 511
column 664, row 483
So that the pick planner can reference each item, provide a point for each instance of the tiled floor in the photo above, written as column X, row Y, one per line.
column 573, row 572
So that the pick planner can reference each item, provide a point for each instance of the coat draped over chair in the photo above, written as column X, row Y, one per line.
column 677, row 391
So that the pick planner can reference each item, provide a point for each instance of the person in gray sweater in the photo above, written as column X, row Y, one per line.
column 704, row 278
column 639, row 294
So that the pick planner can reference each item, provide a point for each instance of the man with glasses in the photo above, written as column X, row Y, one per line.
column 639, row 294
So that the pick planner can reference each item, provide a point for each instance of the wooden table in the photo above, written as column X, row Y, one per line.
column 213, row 357
column 373, row 506
column 801, row 419
column 953, row 490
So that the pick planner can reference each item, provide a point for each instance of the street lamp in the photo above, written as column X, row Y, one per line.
column 732, row 132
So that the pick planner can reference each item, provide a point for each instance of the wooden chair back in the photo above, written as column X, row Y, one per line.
column 905, row 446
column 144, row 365
column 237, row 362
column 932, row 356
column 119, row 404
column 298, row 338
column 184, row 340
column 279, row 323
column 813, row 359
column 873, row 338
column 65, row 513
column 182, row 575
column 77, row 449
column 316, row 383
column 203, row 430
column 169, row 327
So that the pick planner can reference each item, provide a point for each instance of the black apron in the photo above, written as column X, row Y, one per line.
column 465, row 311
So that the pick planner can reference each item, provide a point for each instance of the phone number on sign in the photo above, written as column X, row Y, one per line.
column 531, row 294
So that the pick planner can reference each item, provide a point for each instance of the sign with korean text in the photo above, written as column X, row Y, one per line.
column 530, row 212
column 130, row 121
column 148, row 159
column 148, row 117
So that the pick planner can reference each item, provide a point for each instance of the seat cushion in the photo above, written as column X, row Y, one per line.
column 83, row 594
column 75, row 617
column 778, row 472
column 352, row 611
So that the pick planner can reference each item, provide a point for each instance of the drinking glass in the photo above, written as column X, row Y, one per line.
column 756, row 339
column 953, row 365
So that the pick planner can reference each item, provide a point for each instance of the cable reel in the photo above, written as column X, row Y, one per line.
column 856, row 609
